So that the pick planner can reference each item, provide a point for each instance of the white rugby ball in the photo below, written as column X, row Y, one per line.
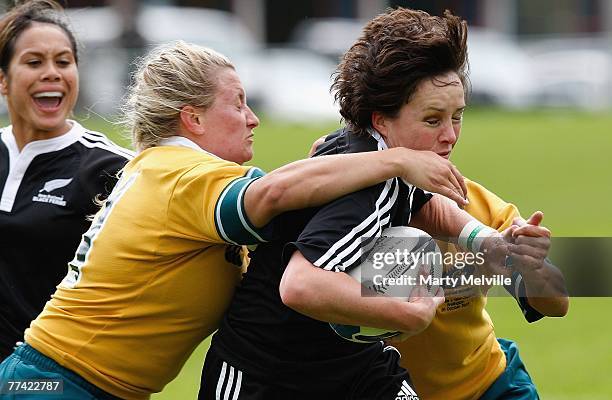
column 392, row 268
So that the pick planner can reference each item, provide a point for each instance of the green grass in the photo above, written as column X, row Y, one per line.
column 557, row 161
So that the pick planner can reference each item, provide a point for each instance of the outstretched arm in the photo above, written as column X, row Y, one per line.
column 544, row 283
column 318, row 180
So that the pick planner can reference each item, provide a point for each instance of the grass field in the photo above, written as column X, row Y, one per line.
column 557, row 161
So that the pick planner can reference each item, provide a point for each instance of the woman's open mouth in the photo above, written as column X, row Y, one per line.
column 48, row 101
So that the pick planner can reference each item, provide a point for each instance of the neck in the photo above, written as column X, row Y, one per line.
column 25, row 133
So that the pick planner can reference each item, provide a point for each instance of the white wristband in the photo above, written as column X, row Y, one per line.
column 473, row 234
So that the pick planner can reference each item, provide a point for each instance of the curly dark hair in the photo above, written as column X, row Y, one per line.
column 396, row 51
column 21, row 17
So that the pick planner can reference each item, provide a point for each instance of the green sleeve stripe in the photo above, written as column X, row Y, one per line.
column 230, row 216
column 255, row 173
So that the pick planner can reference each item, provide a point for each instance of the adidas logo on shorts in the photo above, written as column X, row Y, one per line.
column 406, row 393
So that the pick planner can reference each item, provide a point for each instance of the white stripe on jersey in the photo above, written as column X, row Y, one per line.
column 243, row 218
column 218, row 220
column 392, row 348
column 330, row 259
column 238, row 385
column 220, row 381
column 517, row 286
column 407, row 389
column 410, row 200
column 95, row 139
column 374, row 231
column 231, row 384
column 99, row 137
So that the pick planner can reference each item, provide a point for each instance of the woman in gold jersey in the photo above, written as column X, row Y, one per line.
column 458, row 356
column 156, row 269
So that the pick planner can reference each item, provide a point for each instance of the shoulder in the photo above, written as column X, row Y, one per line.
column 344, row 141
column 96, row 144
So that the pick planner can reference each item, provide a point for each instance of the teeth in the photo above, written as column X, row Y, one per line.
column 48, row 94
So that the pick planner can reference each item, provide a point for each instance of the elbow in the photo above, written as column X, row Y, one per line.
column 293, row 293
column 551, row 306
column 417, row 319
column 562, row 307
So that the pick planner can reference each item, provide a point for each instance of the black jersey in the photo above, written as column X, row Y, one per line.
column 47, row 190
column 263, row 337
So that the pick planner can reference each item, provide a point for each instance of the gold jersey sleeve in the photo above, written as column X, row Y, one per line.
column 457, row 356
column 152, row 276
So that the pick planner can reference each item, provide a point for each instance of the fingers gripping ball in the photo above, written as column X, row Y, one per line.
column 397, row 262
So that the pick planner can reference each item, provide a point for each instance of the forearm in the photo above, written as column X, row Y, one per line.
column 316, row 181
column 441, row 218
column 545, row 290
column 336, row 297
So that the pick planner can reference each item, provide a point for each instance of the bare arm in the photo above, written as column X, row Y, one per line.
column 336, row 297
column 316, row 181
column 544, row 283
column 441, row 218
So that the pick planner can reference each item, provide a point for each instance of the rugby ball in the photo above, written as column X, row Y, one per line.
column 393, row 266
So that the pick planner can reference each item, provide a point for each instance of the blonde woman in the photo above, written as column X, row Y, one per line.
column 154, row 273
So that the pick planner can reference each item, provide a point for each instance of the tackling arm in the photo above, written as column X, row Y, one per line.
column 318, row 180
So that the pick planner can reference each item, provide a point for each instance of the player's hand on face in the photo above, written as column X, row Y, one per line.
column 428, row 171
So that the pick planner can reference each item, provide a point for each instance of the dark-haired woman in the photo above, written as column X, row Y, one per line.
column 409, row 67
column 275, row 342
column 51, row 168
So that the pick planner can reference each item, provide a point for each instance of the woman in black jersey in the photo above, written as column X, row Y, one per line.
column 51, row 168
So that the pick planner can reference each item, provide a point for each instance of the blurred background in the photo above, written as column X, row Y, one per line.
column 553, row 53
column 538, row 129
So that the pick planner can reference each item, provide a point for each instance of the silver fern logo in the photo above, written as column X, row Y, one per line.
column 44, row 195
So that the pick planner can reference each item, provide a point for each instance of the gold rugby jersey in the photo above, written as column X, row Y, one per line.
column 458, row 357
column 152, row 275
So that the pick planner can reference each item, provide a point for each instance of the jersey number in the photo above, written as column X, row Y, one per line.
column 73, row 277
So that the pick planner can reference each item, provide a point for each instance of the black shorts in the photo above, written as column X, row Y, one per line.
column 383, row 379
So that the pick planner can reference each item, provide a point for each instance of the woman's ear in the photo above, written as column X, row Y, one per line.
column 3, row 84
column 193, row 120
column 380, row 123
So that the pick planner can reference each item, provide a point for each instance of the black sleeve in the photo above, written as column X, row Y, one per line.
column 332, row 239
column 418, row 199
column 99, row 173
column 517, row 290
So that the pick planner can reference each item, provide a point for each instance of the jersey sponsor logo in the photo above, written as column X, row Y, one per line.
column 44, row 195
column 406, row 393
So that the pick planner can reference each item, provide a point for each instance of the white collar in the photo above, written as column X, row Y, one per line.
column 379, row 139
column 31, row 149
column 44, row 145
column 180, row 141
